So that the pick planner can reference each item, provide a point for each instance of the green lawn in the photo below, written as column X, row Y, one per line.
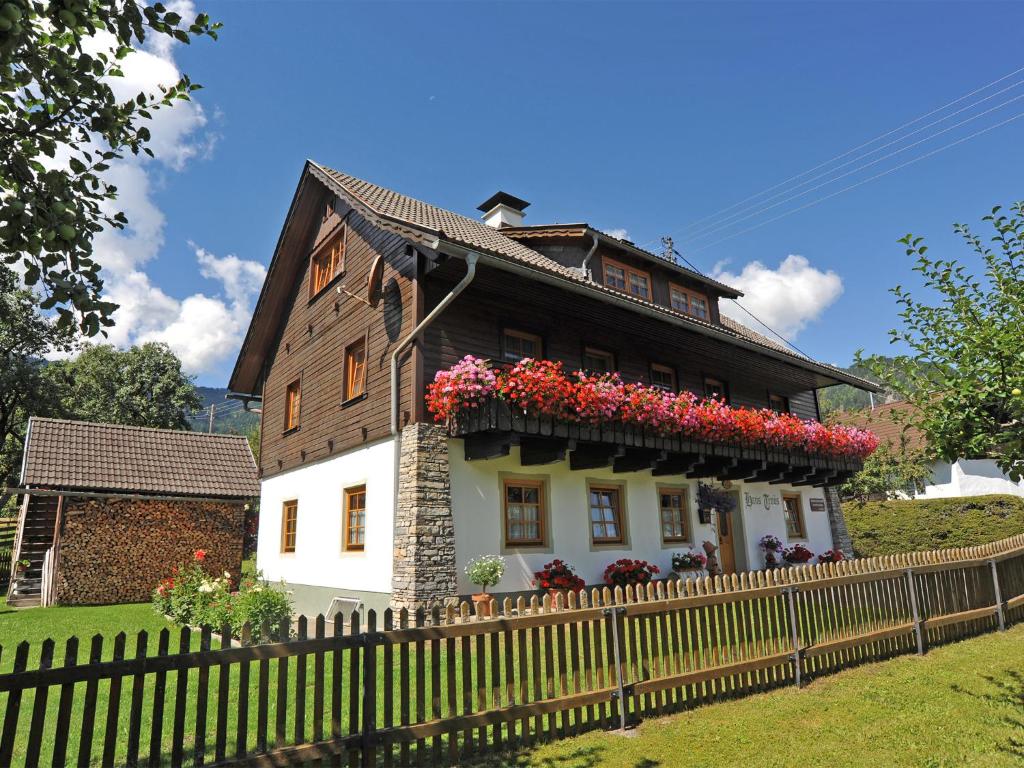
column 960, row 705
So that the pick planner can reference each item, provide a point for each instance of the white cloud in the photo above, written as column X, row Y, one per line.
column 620, row 233
column 786, row 298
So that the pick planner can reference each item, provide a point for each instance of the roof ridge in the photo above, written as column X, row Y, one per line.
column 85, row 422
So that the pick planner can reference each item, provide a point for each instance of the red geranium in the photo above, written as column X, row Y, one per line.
column 199, row 555
column 831, row 556
column 558, row 574
column 539, row 387
column 626, row 572
column 797, row 554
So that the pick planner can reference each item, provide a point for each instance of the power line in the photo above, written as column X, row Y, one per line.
column 725, row 222
column 850, row 151
column 860, row 183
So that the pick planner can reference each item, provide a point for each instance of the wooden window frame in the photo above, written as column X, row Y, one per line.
column 670, row 370
column 598, row 352
column 687, row 537
column 722, row 383
column 337, row 237
column 346, row 397
column 542, row 513
column 627, row 270
column 802, row 535
column 293, row 505
column 690, row 296
column 296, row 386
column 785, row 402
column 622, row 542
column 347, row 495
column 507, row 331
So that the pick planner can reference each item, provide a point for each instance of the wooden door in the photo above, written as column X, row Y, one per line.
column 726, row 545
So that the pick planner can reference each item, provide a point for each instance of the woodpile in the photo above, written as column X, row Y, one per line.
column 117, row 550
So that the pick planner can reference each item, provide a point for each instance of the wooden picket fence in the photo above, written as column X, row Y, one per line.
column 444, row 687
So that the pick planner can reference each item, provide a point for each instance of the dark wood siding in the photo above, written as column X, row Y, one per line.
column 311, row 342
column 568, row 322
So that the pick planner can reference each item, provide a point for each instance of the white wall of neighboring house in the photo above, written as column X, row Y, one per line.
column 476, row 503
column 319, row 559
column 969, row 477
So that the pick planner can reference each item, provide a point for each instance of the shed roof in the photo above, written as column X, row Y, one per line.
column 888, row 422
column 81, row 455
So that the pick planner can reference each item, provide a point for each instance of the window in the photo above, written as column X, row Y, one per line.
column 778, row 403
column 663, row 377
column 328, row 261
column 716, row 388
column 292, row 404
column 687, row 301
column 794, row 516
column 598, row 360
column 524, row 512
column 674, row 516
column 355, row 518
column 355, row 370
column 515, row 345
column 606, row 514
column 289, row 525
column 626, row 279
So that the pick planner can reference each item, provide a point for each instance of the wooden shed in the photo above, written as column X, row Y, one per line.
column 108, row 510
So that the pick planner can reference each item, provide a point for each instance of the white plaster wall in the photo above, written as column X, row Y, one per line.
column 969, row 477
column 476, row 506
column 318, row 559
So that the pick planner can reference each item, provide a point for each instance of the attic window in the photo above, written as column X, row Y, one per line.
column 292, row 400
column 627, row 279
column 688, row 302
column 328, row 261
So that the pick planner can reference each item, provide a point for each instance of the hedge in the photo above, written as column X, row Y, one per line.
column 888, row 527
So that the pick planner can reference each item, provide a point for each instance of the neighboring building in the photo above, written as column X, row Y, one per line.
column 363, row 496
column 109, row 510
column 963, row 477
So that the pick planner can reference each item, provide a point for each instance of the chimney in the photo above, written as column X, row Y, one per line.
column 503, row 210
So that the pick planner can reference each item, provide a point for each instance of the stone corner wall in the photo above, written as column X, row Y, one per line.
column 117, row 550
column 841, row 539
column 424, row 548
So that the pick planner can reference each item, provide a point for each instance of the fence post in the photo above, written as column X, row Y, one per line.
column 614, row 613
column 915, row 613
column 370, row 642
column 795, row 634
column 999, row 596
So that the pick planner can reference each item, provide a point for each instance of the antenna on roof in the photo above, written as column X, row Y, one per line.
column 669, row 253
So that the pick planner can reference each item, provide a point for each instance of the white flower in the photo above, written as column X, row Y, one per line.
column 206, row 587
column 227, row 575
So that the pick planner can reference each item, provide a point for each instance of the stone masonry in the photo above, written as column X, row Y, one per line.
column 837, row 522
column 424, row 550
column 117, row 550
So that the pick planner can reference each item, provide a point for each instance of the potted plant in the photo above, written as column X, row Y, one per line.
column 485, row 571
column 798, row 554
column 831, row 556
column 626, row 572
column 558, row 578
column 20, row 566
column 771, row 545
column 689, row 562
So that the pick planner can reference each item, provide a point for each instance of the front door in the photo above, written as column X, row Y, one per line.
column 726, row 546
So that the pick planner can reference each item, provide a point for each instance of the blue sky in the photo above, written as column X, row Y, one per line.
column 637, row 116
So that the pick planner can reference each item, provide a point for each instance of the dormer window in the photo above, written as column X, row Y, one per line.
column 627, row 279
column 688, row 302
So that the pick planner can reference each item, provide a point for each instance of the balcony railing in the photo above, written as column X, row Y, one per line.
column 490, row 430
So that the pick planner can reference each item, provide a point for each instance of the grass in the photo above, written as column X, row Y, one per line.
column 960, row 705
column 891, row 527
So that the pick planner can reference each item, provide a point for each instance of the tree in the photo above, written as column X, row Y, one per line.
column 143, row 386
column 25, row 387
column 888, row 474
column 966, row 371
column 61, row 126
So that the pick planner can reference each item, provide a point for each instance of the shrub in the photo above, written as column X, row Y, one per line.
column 258, row 604
column 558, row 574
column 486, row 571
column 626, row 572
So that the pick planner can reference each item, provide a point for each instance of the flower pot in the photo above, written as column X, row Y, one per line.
column 688, row 573
column 482, row 604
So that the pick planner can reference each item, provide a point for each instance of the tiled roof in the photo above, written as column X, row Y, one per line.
column 81, row 455
column 476, row 235
column 888, row 429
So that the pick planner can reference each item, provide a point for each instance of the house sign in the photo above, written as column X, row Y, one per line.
column 765, row 501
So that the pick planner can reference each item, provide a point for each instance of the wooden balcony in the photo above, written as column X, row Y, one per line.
column 490, row 432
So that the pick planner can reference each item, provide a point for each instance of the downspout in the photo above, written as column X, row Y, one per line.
column 585, row 266
column 471, row 259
